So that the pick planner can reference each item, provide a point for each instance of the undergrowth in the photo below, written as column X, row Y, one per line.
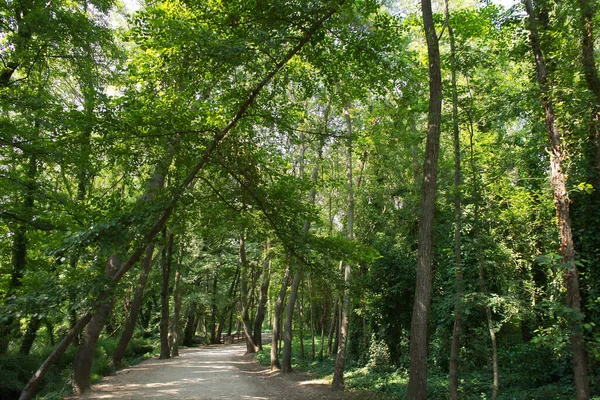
column 391, row 384
column 16, row 369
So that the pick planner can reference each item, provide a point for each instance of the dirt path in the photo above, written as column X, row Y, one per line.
column 213, row 372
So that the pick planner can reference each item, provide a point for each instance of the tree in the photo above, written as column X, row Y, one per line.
column 417, row 386
column 561, row 202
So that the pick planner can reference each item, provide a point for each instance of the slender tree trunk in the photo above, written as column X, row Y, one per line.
column 213, row 315
column 332, row 328
column 588, row 12
column 136, row 305
column 247, row 325
column 338, row 373
column 312, row 318
column 174, row 336
column 190, row 326
column 165, row 351
column 300, row 333
column 561, row 203
column 287, row 328
column 276, row 320
column 458, row 308
column 264, row 296
column 323, row 322
column 417, row 385
column 82, row 366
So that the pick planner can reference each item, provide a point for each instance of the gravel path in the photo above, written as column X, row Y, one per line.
column 212, row 372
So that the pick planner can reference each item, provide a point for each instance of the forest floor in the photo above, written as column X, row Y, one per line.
column 212, row 372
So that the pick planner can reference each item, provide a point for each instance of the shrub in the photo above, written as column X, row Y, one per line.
column 379, row 355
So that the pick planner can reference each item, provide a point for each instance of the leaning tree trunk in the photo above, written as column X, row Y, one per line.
column 264, row 296
column 307, row 35
column 458, row 308
column 82, row 366
column 561, row 203
column 165, row 350
column 338, row 373
column 136, row 305
column 417, row 384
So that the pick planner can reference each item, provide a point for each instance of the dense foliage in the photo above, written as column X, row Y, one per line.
column 235, row 160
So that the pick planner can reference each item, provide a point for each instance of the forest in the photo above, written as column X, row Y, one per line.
column 405, row 195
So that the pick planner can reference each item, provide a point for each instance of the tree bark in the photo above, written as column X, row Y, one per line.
column 332, row 328
column 82, row 366
column 275, row 365
column 177, row 298
column 588, row 12
column 214, row 339
column 136, row 305
column 247, row 325
column 417, row 384
column 312, row 317
column 165, row 350
column 30, row 335
column 190, row 326
column 561, row 203
column 338, row 373
column 323, row 322
column 458, row 308
column 264, row 297
column 286, row 365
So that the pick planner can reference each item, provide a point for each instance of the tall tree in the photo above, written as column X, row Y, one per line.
column 561, row 203
column 338, row 374
column 458, row 308
column 417, row 385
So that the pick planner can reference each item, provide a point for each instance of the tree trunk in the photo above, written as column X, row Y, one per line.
column 214, row 339
column 458, row 307
column 332, row 328
column 136, row 305
column 165, row 351
column 190, row 327
column 312, row 318
column 417, row 384
column 82, row 366
column 561, row 203
column 177, row 297
column 588, row 12
column 247, row 325
column 323, row 322
column 338, row 373
column 300, row 333
column 30, row 335
column 264, row 296
column 287, row 328
column 276, row 318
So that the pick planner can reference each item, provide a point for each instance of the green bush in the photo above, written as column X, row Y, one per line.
column 379, row 355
